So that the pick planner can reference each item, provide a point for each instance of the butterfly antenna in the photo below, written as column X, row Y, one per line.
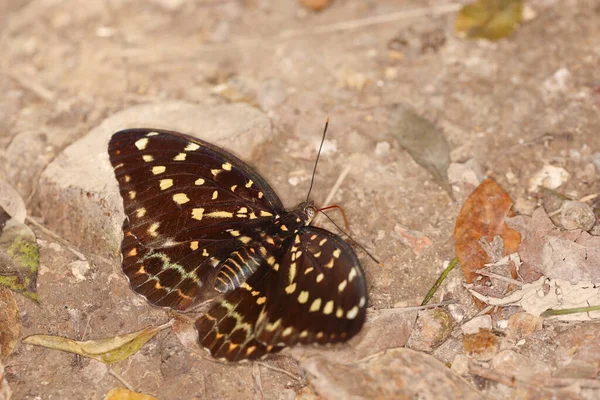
column 354, row 241
column 312, row 180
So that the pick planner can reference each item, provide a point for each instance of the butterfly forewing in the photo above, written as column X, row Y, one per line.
column 189, row 205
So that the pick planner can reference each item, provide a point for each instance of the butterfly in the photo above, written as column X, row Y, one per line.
column 202, row 224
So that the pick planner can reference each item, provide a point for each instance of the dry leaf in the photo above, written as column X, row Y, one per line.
column 19, row 256
column 556, row 294
column 573, row 256
column 489, row 19
column 10, row 323
column 482, row 345
column 108, row 351
column 424, row 142
column 480, row 221
column 126, row 394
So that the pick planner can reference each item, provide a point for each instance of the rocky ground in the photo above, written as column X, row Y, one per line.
column 260, row 78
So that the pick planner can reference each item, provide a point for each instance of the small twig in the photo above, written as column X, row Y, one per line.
column 334, row 189
column 550, row 312
column 499, row 277
column 439, row 281
column 35, row 87
column 57, row 237
column 370, row 21
column 257, row 381
column 283, row 371
column 118, row 377
column 417, row 308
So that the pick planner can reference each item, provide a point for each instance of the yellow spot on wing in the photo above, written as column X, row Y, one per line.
column 352, row 313
column 147, row 158
column 315, row 306
column 261, row 300
column 153, row 228
column 180, row 157
column 322, row 242
column 328, row 309
column 303, row 297
column 329, row 264
column 199, row 182
column 205, row 253
column 165, row 183
column 342, row 286
column 226, row 167
column 352, row 274
column 340, row 312
column 250, row 350
column 233, row 232
column 194, row 245
column 245, row 239
column 192, row 147
column 336, row 253
column 287, row 331
column 291, row 288
column 159, row 169
column 215, row 172
column 265, row 214
column 215, row 194
column 320, row 278
column 140, row 212
column 141, row 143
column 249, row 183
column 132, row 252
column 233, row 188
column 180, row 198
column 197, row 213
column 149, row 134
column 132, row 194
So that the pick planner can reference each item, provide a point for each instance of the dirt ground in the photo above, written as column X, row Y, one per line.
column 512, row 106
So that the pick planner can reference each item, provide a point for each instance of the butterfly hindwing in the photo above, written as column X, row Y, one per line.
column 317, row 294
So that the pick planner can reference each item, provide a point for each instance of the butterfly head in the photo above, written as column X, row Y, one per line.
column 309, row 211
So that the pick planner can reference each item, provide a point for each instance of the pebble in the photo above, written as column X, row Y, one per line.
column 577, row 215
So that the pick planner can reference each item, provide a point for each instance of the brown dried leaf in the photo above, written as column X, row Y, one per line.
column 424, row 142
column 479, row 221
column 10, row 323
column 126, row 394
column 482, row 345
column 569, row 255
column 108, row 351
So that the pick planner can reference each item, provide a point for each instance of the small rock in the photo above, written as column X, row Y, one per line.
column 525, row 206
column 511, row 178
column 417, row 241
column 382, row 149
column 460, row 365
column 559, row 81
column 577, row 215
column 521, row 325
column 472, row 327
column 510, row 363
column 432, row 329
column 79, row 269
column 550, row 177
column 469, row 172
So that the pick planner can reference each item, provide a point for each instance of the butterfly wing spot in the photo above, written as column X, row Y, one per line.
column 132, row 194
column 330, row 264
column 152, row 230
column 245, row 239
column 205, row 253
column 141, row 143
column 265, row 214
column 317, row 255
column 322, row 242
column 215, row 195
column 147, row 158
column 320, row 278
column 339, row 312
column 219, row 214
column 352, row 313
column 315, row 305
column 352, row 274
column 150, row 134
column 260, row 195
column 127, row 178
column 226, row 166
column 199, row 182
column 270, row 240
column 140, row 212
column 362, row 301
column 165, row 184
column 180, row 198
column 250, row 350
column 303, row 297
column 261, row 300
column 249, row 184
column 290, row 288
column 215, row 172
column 287, row 331
column 158, row 169
column 328, row 309
column 342, row 286
column 194, row 245
column 336, row 253
column 283, row 228
column 233, row 232
column 191, row 146
column 197, row 213
column 180, row 157
column 308, row 270
column 132, row 252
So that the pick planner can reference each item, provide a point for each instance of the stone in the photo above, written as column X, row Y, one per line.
column 78, row 194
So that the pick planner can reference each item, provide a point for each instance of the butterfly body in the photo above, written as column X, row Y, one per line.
column 200, row 223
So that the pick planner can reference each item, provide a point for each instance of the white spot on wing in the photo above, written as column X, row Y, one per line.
column 180, row 198
column 141, row 143
column 192, row 147
column 197, row 213
column 159, row 169
column 165, row 183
